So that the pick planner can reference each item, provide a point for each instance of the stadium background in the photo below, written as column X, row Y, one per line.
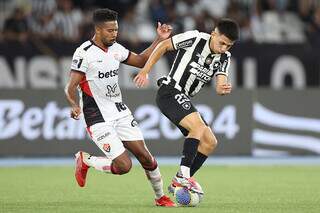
column 273, row 110
column 269, row 127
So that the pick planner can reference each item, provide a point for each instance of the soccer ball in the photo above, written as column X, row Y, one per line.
column 186, row 197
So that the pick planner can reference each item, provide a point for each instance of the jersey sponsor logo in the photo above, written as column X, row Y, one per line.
column 186, row 43
column 106, row 147
column 103, row 136
column 108, row 74
column 112, row 91
column 203, row 74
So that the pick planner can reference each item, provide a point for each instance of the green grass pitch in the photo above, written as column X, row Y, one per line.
column 227, row 189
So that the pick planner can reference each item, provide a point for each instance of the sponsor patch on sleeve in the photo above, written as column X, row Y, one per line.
column 186, row 43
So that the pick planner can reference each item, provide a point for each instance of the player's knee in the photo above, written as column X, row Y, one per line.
column 148, row 162
column 197, row 131
column 210, row 143
column 123, row 167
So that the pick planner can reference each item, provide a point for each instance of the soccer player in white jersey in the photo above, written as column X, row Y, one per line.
column 94, row 72
column 200, row 58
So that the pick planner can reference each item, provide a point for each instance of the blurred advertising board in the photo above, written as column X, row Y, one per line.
column 261, row 123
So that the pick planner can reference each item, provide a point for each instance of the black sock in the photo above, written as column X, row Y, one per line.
column 197, row 163
column 189, row 152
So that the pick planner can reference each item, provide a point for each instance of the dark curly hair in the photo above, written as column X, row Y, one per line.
column 102, row 15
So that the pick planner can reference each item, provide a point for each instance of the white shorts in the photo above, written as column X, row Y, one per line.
column 109, row 135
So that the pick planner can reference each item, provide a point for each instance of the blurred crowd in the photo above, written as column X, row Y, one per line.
column 261, row 21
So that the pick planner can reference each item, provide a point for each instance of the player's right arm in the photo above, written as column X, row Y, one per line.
column 164, row 46
column 79, row 68
column 71, row 93
column 176, row 42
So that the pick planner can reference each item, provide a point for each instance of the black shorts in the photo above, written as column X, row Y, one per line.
column 175, row 105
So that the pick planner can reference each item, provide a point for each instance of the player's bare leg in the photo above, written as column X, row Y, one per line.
column 147, row 161
column 120, row 165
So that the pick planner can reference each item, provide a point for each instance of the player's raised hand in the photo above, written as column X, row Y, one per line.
column 141, row 79
column 75, row 112
column 164, row 31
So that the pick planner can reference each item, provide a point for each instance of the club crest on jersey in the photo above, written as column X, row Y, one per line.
column 216, row 65
column 117, row 57
column 106, row 147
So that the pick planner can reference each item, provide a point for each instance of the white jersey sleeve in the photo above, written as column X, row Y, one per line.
column 225, row 63
column 123, row 52
column 79, row 61
column 184, row 40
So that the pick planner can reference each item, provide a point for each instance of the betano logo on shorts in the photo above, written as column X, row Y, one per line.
column 108, row 74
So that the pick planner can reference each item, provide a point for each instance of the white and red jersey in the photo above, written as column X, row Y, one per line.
column 99, row 91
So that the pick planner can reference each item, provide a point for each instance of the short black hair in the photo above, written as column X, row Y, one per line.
column 229, row 28
column 102, row 15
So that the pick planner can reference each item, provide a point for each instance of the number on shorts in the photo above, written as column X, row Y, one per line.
column 181, row 98
column 121, row 106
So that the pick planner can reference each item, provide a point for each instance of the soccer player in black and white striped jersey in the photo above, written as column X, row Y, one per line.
column 200, row 57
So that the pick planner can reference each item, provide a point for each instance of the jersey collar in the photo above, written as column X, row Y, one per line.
column 104, row 49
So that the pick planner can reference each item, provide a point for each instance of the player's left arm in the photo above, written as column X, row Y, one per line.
column 139, row 60
column 222, row 85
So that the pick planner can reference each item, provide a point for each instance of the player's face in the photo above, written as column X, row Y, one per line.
column 220, row 43
column 108, row 32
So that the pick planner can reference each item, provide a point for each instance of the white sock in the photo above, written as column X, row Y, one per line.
column 99, row 163
column 185, row 171
column 156, row 181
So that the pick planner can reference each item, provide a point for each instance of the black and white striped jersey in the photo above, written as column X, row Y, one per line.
column 195, row 65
